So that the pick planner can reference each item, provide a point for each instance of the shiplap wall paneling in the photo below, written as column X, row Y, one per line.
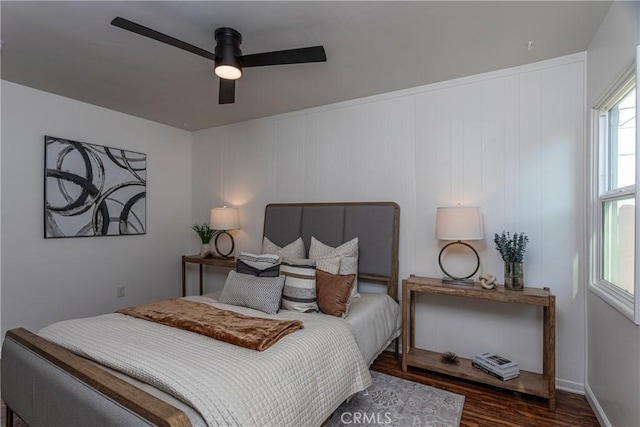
column 561, row 236
column 509, row 142
column 461, row 158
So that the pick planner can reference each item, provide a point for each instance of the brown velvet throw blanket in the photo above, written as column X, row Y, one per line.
column 251, row 332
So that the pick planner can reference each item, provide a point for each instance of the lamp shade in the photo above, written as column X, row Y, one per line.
column 459, row 223
column 224, row 219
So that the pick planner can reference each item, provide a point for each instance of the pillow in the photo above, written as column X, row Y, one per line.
column 244, row 268
column 260, row 293
column 328, row 265
column 333, row 292
column 299, row 293
column 294, row 249
column 258, row 265
column 260, row 262
column 325, row 257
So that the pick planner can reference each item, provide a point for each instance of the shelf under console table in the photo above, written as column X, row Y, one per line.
column 542, row 385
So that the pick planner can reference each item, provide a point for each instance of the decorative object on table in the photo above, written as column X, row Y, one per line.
column 449, row 357
column 224, row 219
column 205, row 233
column 488, row 281
column 496, row 365
column 512, row 250
column 459, row 223
column 93, row 190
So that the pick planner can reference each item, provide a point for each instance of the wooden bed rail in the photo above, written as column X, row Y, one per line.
column 137, row 401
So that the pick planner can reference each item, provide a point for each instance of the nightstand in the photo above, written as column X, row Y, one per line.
column 542, row 385
column 229, row 263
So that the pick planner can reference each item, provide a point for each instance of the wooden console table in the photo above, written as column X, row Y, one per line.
column 197, row 259
column 543, row 385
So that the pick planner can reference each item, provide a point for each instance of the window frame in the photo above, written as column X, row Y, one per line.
column 623, row 301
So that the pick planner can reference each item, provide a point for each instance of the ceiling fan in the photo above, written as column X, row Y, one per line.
column 228, row 58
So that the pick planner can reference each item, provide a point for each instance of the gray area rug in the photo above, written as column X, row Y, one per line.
column 392, row 401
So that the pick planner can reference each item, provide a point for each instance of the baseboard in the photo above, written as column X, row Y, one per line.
column 595, row 405
column 570, row 386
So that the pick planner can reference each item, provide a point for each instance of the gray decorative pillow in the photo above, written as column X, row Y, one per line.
column 260, row 293
column 260, row 262
column 327, row 258
column 299, row 292
column 294, row 249
column 244, row 268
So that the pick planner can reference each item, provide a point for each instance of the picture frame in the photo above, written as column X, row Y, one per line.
column 93, row 190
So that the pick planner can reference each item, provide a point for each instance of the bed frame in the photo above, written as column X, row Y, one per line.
column 48, row 385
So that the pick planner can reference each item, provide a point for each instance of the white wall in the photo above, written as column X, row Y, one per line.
column 613, row 341
column 612, row 49
column 46, row 280
column 511, row 142
column 1, row 330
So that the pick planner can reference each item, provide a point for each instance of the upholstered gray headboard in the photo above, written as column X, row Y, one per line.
column 375, row 224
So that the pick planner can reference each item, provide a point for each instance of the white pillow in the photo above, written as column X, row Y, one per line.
column 294, row 249
column 347, row 254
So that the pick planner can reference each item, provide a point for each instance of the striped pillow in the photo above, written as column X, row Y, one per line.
column 258, row 265
column 299, row 293
column 261, row 262
column 244, row 268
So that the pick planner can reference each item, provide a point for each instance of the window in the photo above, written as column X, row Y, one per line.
column 615, row 194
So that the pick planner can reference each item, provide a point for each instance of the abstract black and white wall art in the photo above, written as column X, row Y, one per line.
column 92, row 190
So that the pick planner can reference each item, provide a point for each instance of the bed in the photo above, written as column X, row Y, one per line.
column 46, row 384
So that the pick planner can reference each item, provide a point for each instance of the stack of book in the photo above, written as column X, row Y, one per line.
column 496, row 365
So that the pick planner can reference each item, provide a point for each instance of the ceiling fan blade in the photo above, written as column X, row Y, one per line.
column 290, row 56
column 227, row 93
column 155, row 35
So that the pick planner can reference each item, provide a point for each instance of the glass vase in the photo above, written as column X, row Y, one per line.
column 514, row 276
column 205, row 250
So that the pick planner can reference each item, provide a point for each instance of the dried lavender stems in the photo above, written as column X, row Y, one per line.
column 511, row 248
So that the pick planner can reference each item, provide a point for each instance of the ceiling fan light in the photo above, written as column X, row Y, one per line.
column 228, row 72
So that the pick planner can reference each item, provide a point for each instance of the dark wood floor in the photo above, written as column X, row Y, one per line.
column 487, row 406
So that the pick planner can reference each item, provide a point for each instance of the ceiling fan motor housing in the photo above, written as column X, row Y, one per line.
column 228, row 47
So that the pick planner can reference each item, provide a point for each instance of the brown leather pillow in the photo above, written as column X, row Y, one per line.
column 333, row 292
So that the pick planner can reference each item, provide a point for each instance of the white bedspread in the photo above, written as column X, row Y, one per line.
column 375, row 320
column 300, row 381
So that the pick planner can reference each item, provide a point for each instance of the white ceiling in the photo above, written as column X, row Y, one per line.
column 70, row 49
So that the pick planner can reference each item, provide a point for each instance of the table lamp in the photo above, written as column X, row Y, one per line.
column 458, row 224
column 224, row 219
